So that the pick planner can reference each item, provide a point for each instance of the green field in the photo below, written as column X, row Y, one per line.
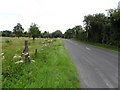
column 51, row 68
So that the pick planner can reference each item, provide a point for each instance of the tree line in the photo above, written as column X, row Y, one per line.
column 33, row 31
column 98, row 28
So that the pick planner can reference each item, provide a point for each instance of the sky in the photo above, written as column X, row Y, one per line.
column 50, row 15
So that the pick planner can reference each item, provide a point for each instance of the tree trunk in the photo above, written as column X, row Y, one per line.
column 33, row 38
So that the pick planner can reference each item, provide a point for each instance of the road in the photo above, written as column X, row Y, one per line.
column 97, row 67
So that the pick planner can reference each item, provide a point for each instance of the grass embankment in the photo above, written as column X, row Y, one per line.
column 52, row 68
column 113, row 48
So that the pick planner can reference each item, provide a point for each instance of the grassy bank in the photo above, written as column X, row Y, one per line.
column 113, row 48
column 51, row 68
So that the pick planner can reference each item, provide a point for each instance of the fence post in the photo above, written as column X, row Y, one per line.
column 36, row 52
column 27, row 60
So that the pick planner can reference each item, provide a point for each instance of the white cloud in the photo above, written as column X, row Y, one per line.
column 50, row 15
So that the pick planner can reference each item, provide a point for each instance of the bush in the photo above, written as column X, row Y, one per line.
column 8, row 41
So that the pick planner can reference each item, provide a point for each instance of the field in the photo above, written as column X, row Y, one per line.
column 51, row 67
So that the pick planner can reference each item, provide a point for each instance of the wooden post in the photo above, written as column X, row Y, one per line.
column 36, row 52
column 27, row 60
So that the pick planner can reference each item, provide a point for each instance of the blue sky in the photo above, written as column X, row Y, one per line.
column 50, row 15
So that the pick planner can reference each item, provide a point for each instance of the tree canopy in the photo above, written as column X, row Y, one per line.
column 57, row 34
column 34, row 31
column 18, row 30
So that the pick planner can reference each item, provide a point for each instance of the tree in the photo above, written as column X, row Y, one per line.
column 6, row 33
column 25, row 34
column 95, row 27
column 34, row 31
column 70, row 33
column 18, row 30
column 77, row 30
column 57, row 33
column 87, row 21
column 115, row 26
column 45, row 34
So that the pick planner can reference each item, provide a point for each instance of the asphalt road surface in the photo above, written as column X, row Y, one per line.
column 97, row 67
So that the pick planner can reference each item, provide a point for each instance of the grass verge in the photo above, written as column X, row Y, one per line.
column 113, row 48
column 52, row 68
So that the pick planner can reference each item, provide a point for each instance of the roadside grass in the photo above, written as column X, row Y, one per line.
column 52, row 68
column 113, row 48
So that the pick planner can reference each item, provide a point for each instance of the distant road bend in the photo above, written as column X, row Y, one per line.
column 97, row 67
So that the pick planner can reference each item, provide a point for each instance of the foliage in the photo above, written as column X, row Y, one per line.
column 25, row 34
column 103, row 29
column 98, row 29
column 57, row 33
column 18, row 30
column 45, row 34
column 115, row 27
column 76, row 32
column 6, row 33
column 34, row 31
column 94, row 27
column 70, row 33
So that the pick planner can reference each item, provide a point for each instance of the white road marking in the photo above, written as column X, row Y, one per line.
column 108, row 83
column 88, row 48
column 76, row 44
column 86, row 83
